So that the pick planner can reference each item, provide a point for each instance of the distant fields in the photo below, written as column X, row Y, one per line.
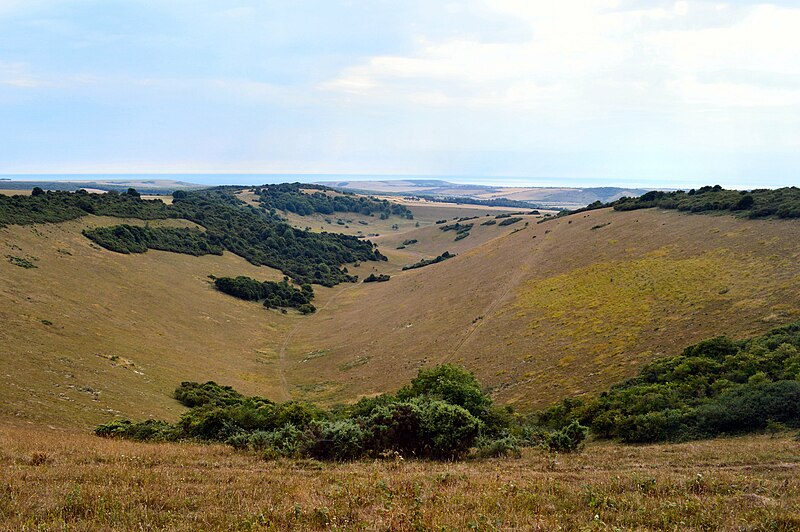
column 58, row 480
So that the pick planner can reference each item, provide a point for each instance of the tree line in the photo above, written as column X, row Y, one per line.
column 255, row 234
column 288, row 197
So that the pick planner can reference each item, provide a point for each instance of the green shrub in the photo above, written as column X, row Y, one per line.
column 452, row 384
column 507, row 446
column 448, row 430
column 568, row 439
column 337, row 440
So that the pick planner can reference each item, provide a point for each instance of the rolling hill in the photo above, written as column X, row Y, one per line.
column 539, row 311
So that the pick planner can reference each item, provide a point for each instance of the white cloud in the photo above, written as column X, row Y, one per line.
column 597, row 54
column 17, row 75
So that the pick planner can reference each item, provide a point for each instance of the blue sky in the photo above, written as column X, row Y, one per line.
column 678, row 93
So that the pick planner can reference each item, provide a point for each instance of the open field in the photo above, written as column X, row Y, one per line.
column 56, row 480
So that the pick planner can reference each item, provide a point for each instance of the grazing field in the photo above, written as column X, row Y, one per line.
column 55, row 480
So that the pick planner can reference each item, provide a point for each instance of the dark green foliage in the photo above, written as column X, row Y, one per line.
column 135, row 239
column 59, row 206
column 600, row 226
column 426, row 262
column 509, row 221
column 457, row 227
column 263, row 239
column 258, row 236
column 193, row 394
column 372, row 278
column 149, row 430
column 452, row 384
column 22, row 262
column 489, row 222
column 288, row 197
column 461, row 236
column 409, row 242
column 494, row 448
column 275, row 295
column 566, row 440
column 761, row 203
column 718, row 386
column 439, row 415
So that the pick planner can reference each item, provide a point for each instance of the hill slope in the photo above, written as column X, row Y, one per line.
column 559, row 308
column 539, row 312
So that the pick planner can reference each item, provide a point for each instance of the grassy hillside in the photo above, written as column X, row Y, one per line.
column 560, row 308
column 88, row 333
column 56, row 480
column 539, row 312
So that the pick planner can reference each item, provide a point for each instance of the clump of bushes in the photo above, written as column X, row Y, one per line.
column 305, row 199
column 135, row 239
column 718, row 386
column 759, row 203
column 372, row 278
column 442, row 414
column 259, row 235
column 274, row 295
column 509, row 221
column 457, row 227
column 427, row 262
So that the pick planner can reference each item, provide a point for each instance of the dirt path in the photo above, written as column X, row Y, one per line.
column 286, row 395
column 509, row 285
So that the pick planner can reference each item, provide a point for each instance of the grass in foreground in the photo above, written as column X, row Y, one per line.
column 58, row 480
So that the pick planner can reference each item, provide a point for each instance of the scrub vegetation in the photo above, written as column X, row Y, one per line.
column 719, row 386
column 258, row 235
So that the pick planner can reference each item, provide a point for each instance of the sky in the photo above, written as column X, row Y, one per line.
column 674, row 93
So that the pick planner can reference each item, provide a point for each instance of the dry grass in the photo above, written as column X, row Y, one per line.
column 89, row 333
column 54, row 480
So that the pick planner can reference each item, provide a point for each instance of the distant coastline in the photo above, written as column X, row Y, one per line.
column 211, row 179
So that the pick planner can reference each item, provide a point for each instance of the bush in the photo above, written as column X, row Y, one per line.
column 508, row 446
column 452, row 384
column 372, row 278
column 567, row 440
column 439, row 415
column 448, row 430
column 718, row 386
column 337, row 440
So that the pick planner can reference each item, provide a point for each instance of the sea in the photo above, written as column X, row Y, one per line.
column 266, row 179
